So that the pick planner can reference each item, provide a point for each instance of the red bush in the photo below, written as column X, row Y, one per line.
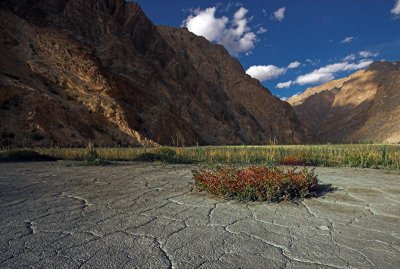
column 294, row 160
column 257, row 183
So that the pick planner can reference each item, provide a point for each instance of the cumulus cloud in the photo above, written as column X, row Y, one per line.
column 204, row 23
column 396, row 8
column 284, row 85
column 367, row 54
column 294, row 65
column 235, row 35
column 347, row 39
column 328, row 72
column 265, row 72
column 280, row 14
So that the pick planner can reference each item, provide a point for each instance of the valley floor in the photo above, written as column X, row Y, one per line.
column 137, row 215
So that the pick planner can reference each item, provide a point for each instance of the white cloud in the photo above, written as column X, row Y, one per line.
column 294, row 65
column 265, row 72
column 347, row 39
column 280, row 14
column 284, row 85
column 313, row 62
column 328, row 72
column 367, row 54
column 261, row 30
column 235, row 35
column 314, row 77
column 283, row 98
column 356, row 66
column 396, row 8
column 204, row 23
column 350, row 57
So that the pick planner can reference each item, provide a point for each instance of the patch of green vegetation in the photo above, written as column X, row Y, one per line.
column 36, row 136
column 165, row 155
column 7, row 135
column 96, row 162
column 23, row 155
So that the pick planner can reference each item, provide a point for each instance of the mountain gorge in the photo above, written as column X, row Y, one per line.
column 100, row 70
column 363, row 107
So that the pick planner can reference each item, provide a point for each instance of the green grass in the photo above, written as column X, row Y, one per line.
column 165, row 155
column 351, row 155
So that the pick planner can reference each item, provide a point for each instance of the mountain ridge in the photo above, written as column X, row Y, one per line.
column 100, row 70
column 363, row 107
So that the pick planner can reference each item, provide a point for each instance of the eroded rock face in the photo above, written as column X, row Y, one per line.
column 75, row 70
column 362, row 107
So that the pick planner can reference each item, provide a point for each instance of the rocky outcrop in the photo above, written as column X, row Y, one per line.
column 75, row 70
column 364, row 107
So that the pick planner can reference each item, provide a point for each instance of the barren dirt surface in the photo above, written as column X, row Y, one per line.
column 146, row 216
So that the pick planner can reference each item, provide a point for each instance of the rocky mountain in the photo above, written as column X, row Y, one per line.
column 364, row 106
column 100, row 70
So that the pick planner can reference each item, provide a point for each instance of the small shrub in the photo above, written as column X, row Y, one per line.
column 7, row 135
column 92, row 157
column 293, row 160
column 257, row 183
column 96, row 162
column 36, row 136
column 91, row 153
column 166, row 155
column 19, row 155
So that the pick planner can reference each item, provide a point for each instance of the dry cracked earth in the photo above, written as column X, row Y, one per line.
column 147, row 216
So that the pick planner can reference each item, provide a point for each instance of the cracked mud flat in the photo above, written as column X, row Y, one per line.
column 146, row 216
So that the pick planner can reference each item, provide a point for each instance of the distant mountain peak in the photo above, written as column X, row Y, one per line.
column 365, row 106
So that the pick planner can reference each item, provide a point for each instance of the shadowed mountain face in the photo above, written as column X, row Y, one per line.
column 74, row 70
column 362, row 107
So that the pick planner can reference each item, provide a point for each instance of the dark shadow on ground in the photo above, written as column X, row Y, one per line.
column 322, row 189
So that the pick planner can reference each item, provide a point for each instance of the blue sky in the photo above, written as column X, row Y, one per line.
column 291, row 45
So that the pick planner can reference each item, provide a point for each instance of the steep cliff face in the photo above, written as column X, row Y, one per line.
column 275, row 119
column 74, row 70
column 362, row 107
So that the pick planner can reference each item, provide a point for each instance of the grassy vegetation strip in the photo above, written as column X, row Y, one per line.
column 354, row 155
column 257, row 183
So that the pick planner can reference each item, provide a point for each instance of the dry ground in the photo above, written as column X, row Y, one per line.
column 146, row 216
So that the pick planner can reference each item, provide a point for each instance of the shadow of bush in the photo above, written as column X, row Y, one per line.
column 321, row 190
